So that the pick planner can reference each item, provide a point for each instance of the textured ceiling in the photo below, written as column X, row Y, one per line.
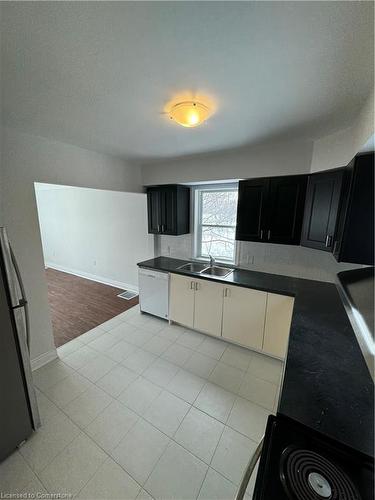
column 98, row 74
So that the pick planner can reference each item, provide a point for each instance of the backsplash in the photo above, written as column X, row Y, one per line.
column 287, row 260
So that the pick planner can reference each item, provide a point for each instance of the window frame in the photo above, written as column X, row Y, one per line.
column 197, row 224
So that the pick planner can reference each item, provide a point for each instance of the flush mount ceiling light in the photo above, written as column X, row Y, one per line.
column 189, row 113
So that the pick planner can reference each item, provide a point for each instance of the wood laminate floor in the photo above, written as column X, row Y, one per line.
column 78, row 305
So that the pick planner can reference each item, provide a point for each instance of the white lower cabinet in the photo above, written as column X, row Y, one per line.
column 255, row 319
column 181, row 300
column 196, row 303
column 277, row 326
column 243, row 316
column 208, row 306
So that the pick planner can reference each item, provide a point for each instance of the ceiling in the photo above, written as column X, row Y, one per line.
column 99, row 74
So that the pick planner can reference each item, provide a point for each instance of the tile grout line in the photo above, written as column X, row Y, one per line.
column 154, row 334
column 236, row 394
column 142, row 416
column 175, row 341
column 163, row 389
column 83, row 431
column 184, row 364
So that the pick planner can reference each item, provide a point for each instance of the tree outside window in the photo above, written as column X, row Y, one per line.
column 216, row 212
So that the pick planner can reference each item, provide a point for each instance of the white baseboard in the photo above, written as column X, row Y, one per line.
column 43, row 359
column 92, row 277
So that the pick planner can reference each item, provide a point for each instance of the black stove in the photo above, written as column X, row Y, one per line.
column 298, row 463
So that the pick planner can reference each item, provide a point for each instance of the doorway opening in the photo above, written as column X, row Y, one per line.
column 92, row 240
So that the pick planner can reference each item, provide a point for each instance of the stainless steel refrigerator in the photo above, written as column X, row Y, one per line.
column 18, row 406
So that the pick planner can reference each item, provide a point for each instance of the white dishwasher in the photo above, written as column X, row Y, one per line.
column 154, row 292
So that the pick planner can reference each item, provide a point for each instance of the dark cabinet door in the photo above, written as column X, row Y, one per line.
column 354, row 241
column 168, row 211
column 285, row 209
column 251, row 209
column 321, row 210
column 154, row 210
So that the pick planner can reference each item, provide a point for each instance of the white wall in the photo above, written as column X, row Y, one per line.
column 272, row 158
column 269, row 158
column 94, row 233
column 27, row 159
column 336, row 150
column 287, row 260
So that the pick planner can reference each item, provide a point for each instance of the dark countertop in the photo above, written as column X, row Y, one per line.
column 327, row 385
column 358, row 285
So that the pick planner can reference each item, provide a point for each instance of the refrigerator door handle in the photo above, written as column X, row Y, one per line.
column 20, row 323
column 20, row 319
column 10, row 278
column 22, row 301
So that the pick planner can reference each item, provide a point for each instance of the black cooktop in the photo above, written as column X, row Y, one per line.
column 298, row 463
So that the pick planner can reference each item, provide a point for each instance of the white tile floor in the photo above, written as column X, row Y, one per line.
column 137, row 408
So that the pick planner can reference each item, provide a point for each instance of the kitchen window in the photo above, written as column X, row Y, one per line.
column 215, row 222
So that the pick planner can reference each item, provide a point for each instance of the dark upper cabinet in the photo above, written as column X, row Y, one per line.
column 354, row 241
column 154, row 210
column 168, row 209
column 251, row 209
column 321, row 209
column 271, row 209
column 285, row 209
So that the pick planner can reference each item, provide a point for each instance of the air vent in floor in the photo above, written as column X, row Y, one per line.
column 128, row 295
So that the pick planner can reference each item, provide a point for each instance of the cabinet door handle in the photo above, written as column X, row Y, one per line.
column 159, row 228
column 261, row 234
column 197, row 286
column 269, row 234
column 162, row 228
column 192, row 285
column 226, row 292
column 328, row 240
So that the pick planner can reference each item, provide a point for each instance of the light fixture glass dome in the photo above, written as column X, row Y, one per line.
column 189, row 113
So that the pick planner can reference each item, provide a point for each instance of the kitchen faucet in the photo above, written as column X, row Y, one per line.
column 212, row 260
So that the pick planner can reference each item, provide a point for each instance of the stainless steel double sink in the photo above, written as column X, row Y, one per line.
column 196, row 267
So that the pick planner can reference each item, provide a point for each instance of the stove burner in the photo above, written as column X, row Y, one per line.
column 319, row 484
column 306, row 475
